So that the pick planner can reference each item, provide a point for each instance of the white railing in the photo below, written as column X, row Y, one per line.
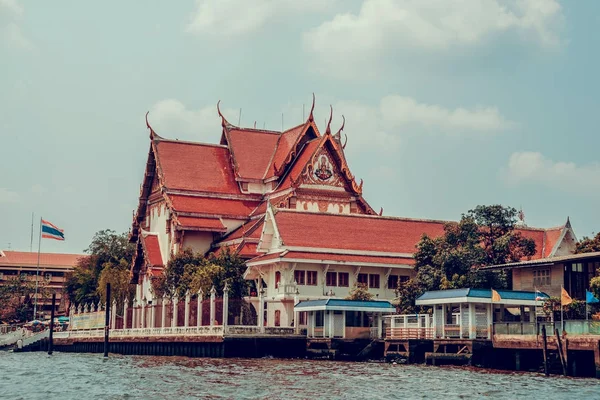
column 12, row 337
column 36, row 338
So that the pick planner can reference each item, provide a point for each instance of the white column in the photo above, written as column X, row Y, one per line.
column 174, row 321
column 153, row 313
column 134, row 321
column 199, row 308
column 344, row 322
column 261, row 310
column 143, row 314
column 472, row 322
column 225, row 306
column 187, row 309
column 379, row 325
column 490, row 312
column 460, row 321
column 435, row 322
column 296, row 314
column 213, row 292
column 331, row 324
column 163, row 316
column 113, row 315
column 125, row 304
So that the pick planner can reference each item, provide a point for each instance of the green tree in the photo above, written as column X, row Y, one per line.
column 588, row 245
column 17, row 299
column 360, row 291
column 107, row 248
column 118, row 277
column 484, row 236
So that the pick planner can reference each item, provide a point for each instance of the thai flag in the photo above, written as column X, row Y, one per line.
column 538, row 296
column 51, row 231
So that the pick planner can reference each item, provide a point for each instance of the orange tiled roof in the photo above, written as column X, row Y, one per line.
column 286, row 141
column 248, row 250
column 552, row 236
column 300, row 163
column 251, row 229
column 252, row 151
column 353, row 232
column 333, row 257
column 24, row 258
column 204, row 224
column 211, row 205
column 196, row 167
column 152, row 249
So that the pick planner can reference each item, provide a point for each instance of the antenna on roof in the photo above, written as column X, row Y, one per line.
column 240, row 118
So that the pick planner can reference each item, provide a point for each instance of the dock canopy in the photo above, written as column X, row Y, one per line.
column 376, row 306
column 469, row 295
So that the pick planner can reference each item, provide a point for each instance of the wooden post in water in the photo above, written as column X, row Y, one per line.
column 560, row 352
column 107, row 320
column 545, row 349
column 50, row 343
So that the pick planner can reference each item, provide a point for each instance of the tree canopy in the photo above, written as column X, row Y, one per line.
column 359, row 291
column 588, row 245
column 109, row 257
column 484, row 236
column 192, row 271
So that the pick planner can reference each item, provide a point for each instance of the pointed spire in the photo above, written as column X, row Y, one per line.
column 328, row 130
column 311, row 117
column 381, row 211
column 568, row 223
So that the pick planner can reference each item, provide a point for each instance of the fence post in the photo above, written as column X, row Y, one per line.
column 153, row 312
column 225, row 306
column 163, row 316
column 143, row 316
column 213, row 292
column 113, row 319
column 297, row 314
column 199, row 308
column 186, row 322
column 125, row 303
column 174, row 321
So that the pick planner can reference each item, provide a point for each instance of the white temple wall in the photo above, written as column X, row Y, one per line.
column 197, row 241
column 159, row 214
column 232, row 224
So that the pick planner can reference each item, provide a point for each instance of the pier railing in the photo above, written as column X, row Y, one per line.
column 572, row 327
column 409, row 333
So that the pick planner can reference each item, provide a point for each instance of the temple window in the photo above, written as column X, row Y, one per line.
column 343, row 279
column 363, row 279
column 277, row 278
column 331, row 279
column 299, row 277
column 277, row 318
column 393, row 282
column 302, row 318
column 541, row 277
column 311, row 278
column 48, row 276
column 374, row 281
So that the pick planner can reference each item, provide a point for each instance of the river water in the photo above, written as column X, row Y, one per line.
column 89, row 376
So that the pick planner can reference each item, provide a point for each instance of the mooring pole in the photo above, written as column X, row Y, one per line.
column 107, row 320
column 50, row 343
column 545, row 349
column 560, row 353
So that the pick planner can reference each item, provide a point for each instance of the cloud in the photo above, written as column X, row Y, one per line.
column 533, row 167
column 171, row 119
column 349, row 42
column 38, row 189
column 238, row 17
column 7, row 196
column 11, row 34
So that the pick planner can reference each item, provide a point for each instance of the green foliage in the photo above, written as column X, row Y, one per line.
column 191, row 271
column 484, row 236
column 360, row 291
column 588, row 245
column 107, row 249
column 595, row 286
column 16, row 299
column 118, row 277
column 575, row 310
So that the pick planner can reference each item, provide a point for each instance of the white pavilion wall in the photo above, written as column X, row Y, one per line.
column 197, row 241
column 159, row 214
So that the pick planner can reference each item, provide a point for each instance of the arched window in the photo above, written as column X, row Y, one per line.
column 277, row 317
column 277, row 278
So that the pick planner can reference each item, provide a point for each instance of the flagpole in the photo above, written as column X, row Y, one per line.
column 562, row 323
column 37, row 272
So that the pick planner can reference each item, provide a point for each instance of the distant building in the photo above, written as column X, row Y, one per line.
column 52, row 270
column 288, row 204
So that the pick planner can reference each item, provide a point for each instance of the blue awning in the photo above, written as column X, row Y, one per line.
column 470, row 295
column 345, row 305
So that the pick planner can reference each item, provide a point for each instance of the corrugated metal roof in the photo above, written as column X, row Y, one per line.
column 480, row 293
column 548, row 260
column 346, row 303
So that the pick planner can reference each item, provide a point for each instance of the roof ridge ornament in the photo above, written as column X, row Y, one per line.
column 338, row 134
column 224, row 122
column 311, row 117
column 328, row 130
column 153, row 134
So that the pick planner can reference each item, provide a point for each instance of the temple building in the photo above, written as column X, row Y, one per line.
column 288, row 203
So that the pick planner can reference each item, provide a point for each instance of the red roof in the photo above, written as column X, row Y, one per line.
column 248, row 250
column 333, row 257
column 251, row 229
column 300, row 163
column 353, row 232
column 23, row 258
column 286, row 141
column 252, row 151
column 552, row 236
column 211, row 205
column 152, row 247
column 204, row 224
column 196, row 166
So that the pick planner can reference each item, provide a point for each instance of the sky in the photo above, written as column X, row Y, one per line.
column 448, row 104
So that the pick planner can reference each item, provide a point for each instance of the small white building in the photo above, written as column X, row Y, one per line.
column 344, row 319
column 470, row 313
